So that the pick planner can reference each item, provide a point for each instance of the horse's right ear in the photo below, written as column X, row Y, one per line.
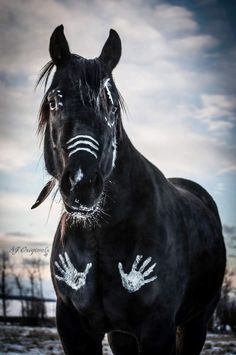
column 58, row 46
column 111, row 51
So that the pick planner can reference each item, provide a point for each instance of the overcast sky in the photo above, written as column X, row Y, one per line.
column 177, row 76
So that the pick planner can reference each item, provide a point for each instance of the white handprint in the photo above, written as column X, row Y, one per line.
column 134, row 280
column 70, row 275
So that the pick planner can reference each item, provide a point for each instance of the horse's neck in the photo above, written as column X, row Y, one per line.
column 131, row 164
column 131, row 175
column 127, row 158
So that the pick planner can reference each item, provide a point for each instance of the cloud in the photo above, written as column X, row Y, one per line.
column 15, row 211
column 232, row 256
column 9, row 240
column 218, row 112
column 228, row 170
column 17, row 234
column 220, row 188
column 18, row 106
column 178, row 150
column 194, row 44
column 156, row 78
column 230, row 240
column 229, row 229
column 172, row 75
column 174, row 20
column 25, row 248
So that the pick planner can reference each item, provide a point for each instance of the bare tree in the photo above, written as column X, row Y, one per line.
column 20, row 287
column 226, row 308
column 35, row 308
column 5, row 287
column 41, row 295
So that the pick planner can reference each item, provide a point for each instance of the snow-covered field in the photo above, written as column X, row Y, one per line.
column 16, row 340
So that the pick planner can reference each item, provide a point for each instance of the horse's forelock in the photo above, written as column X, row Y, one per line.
column 91, row 69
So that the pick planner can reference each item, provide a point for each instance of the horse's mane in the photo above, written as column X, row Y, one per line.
column 90, row 72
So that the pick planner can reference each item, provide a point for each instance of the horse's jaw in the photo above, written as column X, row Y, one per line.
column 85, row 215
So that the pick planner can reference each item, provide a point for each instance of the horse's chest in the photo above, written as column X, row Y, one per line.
column 108, row 287
column 74, row 278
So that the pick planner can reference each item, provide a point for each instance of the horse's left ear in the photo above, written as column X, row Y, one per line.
column 111, row 51
column 58, row 46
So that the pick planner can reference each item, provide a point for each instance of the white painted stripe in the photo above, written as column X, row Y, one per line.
column 86, row 149
column 82, row 136
column 106, row 85
column 82, row 142
column 114, row 146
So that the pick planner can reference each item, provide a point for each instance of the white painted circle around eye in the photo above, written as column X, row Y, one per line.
column 52, row 105
column 114, row 110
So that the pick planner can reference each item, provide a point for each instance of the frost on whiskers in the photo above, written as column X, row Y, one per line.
column 89, row 217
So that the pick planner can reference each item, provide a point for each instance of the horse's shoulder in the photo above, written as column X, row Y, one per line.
column 196, row 190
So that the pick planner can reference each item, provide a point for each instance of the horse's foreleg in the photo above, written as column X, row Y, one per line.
column 74, row 335
column 191, row 337
column 123, row 343
column 158, row 338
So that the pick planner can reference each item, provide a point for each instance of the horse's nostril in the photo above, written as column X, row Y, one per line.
column 95, row 180
column 73, row 178
column 66, row 182
column 67, row 177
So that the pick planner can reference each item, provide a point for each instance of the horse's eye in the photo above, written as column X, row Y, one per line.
column 113, row 110
column 52, row 104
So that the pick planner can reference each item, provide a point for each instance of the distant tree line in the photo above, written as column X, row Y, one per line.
column 29, row 287
column 225, row 314
column 32, row 300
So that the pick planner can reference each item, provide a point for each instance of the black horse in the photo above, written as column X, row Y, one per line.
column 135, row 255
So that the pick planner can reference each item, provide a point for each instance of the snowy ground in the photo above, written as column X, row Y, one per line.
column 16, row 340
column 220, row 344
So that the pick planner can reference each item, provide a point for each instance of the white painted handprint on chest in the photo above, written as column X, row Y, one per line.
column 136, row 278
column 69, row 274
column 131, row 281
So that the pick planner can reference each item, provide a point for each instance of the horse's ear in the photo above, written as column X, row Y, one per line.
column 111, row 51
column 58, row 46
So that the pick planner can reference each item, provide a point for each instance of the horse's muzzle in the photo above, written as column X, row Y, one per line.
column 80, row 191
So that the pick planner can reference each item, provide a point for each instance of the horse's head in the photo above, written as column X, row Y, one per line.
column 80, row 115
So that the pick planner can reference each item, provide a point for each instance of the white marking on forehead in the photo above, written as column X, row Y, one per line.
column 69, row 274
column 85, row 149
column 136, row 278
column 107, row 85
column 82, row 142
column 82, row 136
